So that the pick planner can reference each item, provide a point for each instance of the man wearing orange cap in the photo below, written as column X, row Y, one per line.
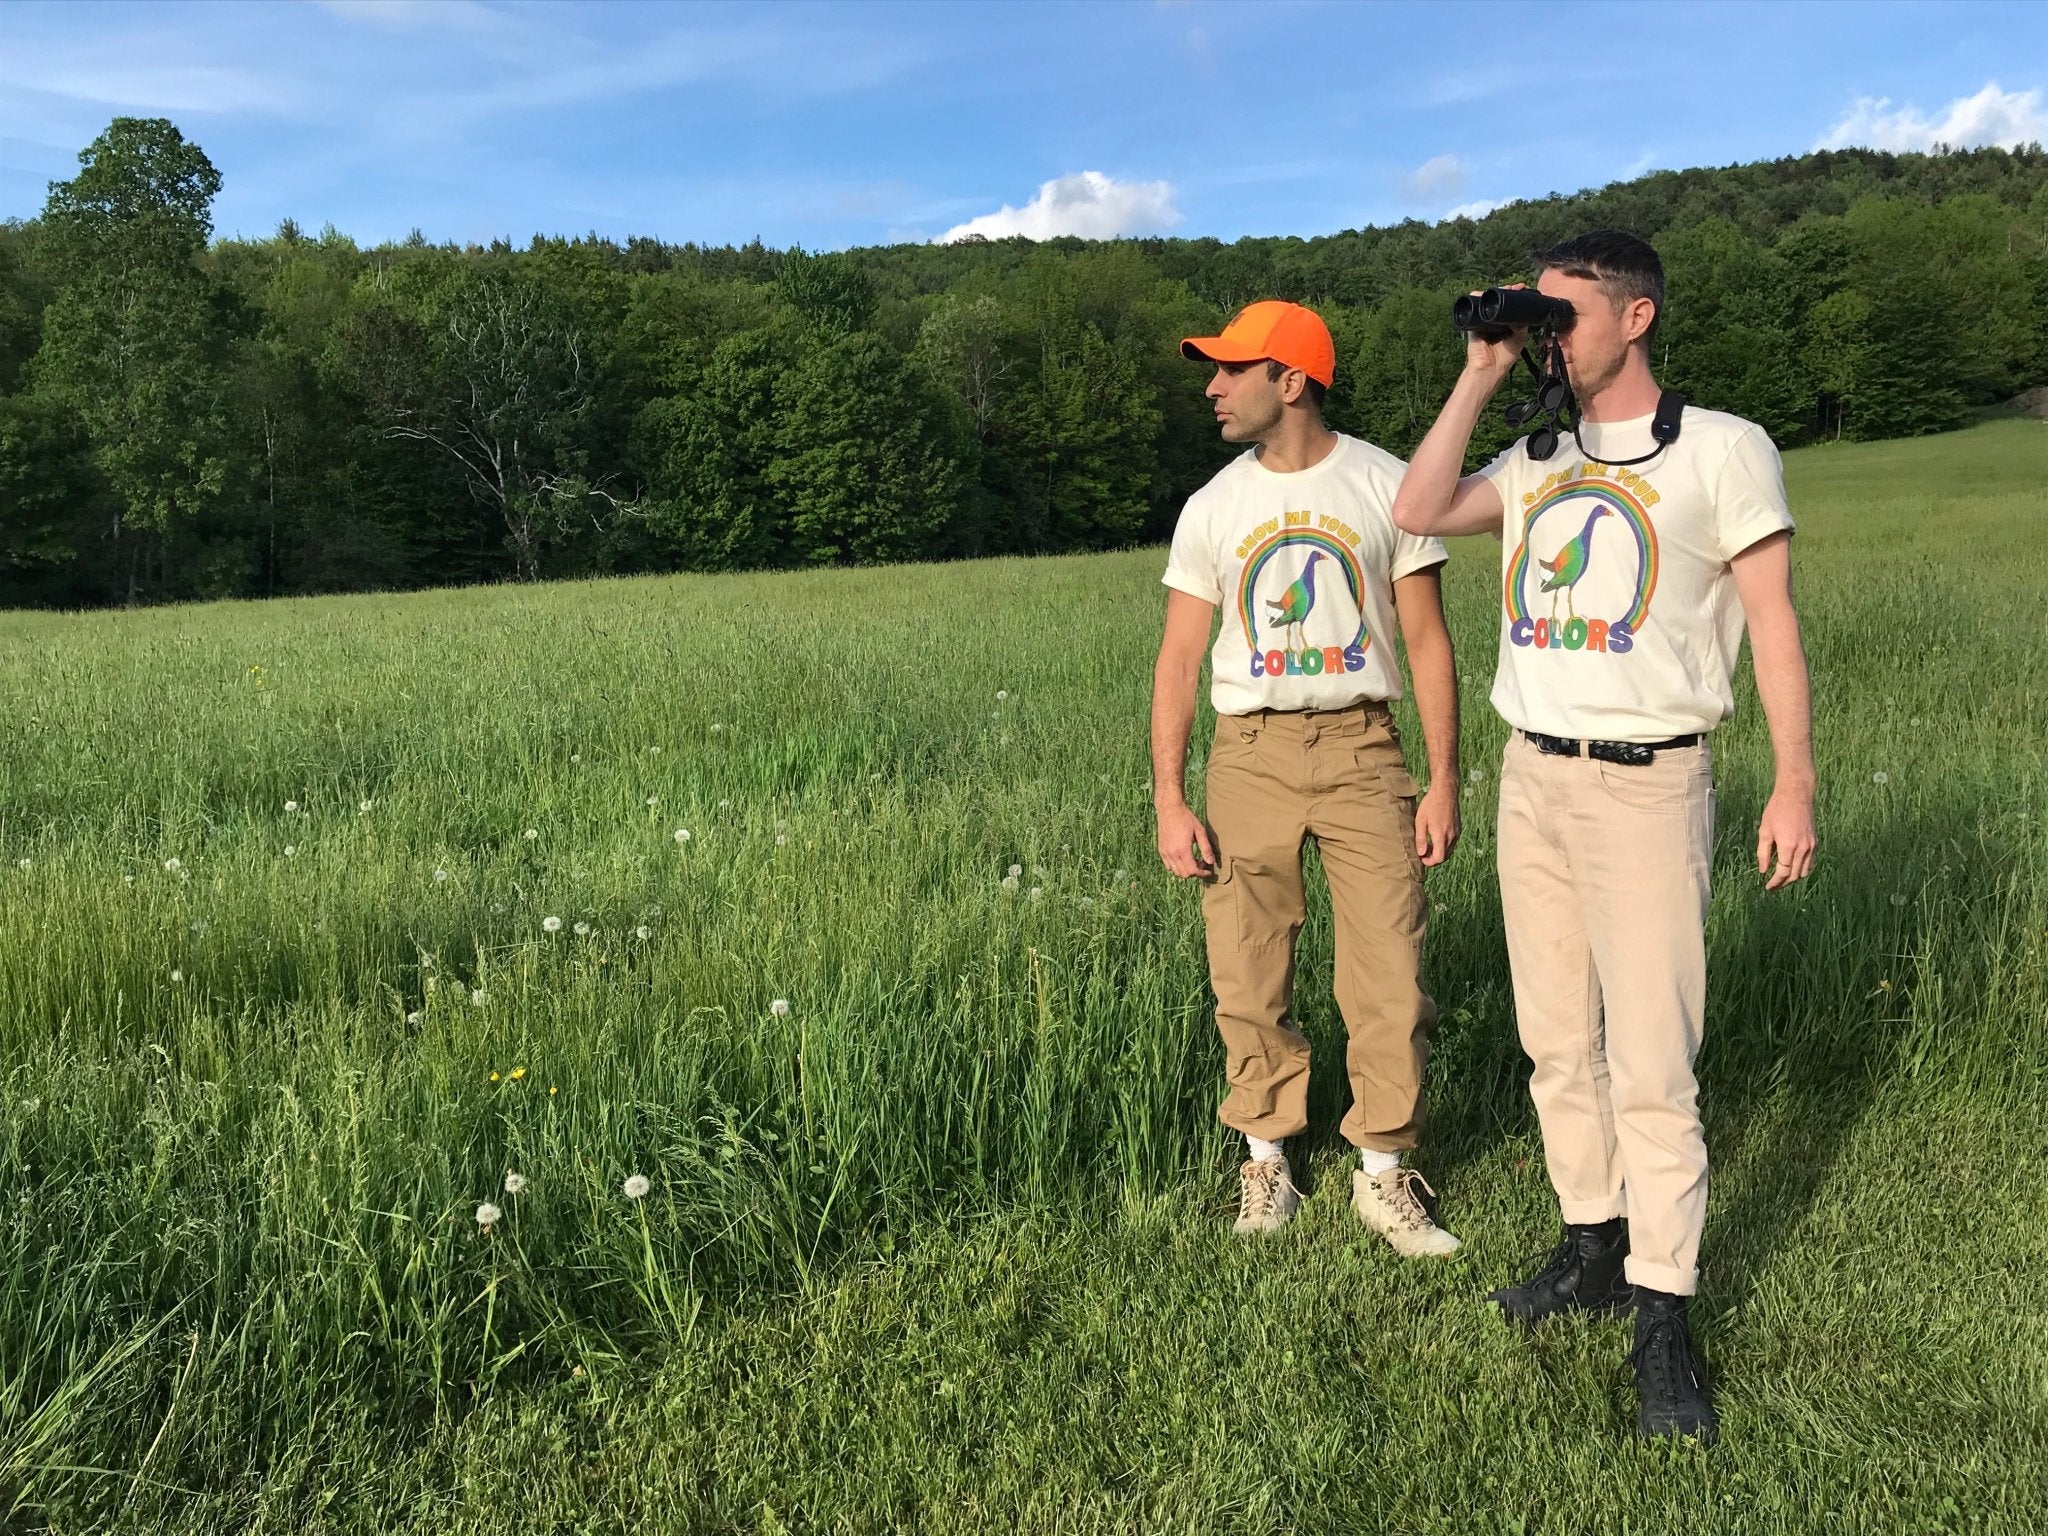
column 1295, row 543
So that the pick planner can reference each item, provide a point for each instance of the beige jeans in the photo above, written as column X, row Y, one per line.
column 1276, row 779
column 1603, row 879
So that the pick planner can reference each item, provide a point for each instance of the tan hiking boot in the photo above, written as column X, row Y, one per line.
column 1389, row 1204
column 1266, row 1196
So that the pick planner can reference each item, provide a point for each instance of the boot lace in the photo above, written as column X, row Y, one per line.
column 1406, row 1204
column 1259, row 1189
column 1664, row 1355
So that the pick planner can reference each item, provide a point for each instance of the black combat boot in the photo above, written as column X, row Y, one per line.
column 1583, row 1274
column 1670, row 1385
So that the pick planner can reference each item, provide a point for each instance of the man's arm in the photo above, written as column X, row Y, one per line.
column 1433, row 499
column 1763, row 580
column 1418, row 600
column 1184, row 843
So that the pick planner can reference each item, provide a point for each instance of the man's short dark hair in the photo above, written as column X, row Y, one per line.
column 1624, row 265
column 1316, row 390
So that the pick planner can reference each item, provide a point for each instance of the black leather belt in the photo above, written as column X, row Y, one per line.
column 1630, row 754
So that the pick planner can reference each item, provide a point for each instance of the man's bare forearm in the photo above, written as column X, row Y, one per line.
column 1435, row 672
column 1786, row 692
column 1173, row 719
column 1423, row 503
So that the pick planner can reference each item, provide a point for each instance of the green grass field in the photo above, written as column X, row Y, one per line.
column 944, row 1247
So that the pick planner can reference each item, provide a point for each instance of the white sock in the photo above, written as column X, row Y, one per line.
column 1377, row 1163
column 1264, row 1151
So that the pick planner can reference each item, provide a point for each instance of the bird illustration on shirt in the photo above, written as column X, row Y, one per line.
column 1291, row 608
column 1568, row 565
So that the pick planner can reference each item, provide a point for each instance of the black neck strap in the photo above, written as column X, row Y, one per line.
column 1663, row 430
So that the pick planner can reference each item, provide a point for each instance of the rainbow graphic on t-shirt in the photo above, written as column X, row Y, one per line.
column 1595, row 499
column 1308, row 661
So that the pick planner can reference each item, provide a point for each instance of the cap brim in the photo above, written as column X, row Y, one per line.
column 1218, row 349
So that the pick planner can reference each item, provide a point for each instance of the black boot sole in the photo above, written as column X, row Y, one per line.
column 1703, row 1434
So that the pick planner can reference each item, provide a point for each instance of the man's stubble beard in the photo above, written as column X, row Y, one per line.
column 1241, row 430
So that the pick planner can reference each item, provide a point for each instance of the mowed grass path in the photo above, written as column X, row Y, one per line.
column 944, row 1246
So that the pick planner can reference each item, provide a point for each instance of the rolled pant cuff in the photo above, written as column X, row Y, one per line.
column 1658, row 1277
column 1587, row 1213
column 1387, row 1144
column 1269, row 1128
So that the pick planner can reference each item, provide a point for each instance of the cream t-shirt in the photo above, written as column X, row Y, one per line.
column 1303, row 566
column 1620, row 618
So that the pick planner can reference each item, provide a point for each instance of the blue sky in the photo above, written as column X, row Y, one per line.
column 830, row 125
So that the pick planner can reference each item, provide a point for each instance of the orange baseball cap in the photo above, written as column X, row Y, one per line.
column 1289, row 334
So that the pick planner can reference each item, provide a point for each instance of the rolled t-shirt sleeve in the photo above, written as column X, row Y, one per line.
column 1191, row 562
column 1749, row 499
column 1414, row 553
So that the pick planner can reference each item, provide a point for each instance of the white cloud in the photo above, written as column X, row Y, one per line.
column 1090, row 204
column 415, row 15
column 1992, row 116
column 1478, row 209
column 1441, row 176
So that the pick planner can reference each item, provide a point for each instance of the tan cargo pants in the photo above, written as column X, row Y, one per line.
column 1603, row 880
column 1276, row 779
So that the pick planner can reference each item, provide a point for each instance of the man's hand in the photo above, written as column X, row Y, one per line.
column 1786, row 834
column 1493, row 361
column 1436, row 825
column 1185, row 846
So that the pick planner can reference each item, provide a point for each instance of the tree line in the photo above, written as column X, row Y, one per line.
column 184, row 417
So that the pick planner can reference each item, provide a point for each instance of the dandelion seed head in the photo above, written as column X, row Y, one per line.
column 1009, row 882
column 575, row 757
column 1014, row 870
column 291, row 807
column 1002, row 694
column 290, row 851
column 551, row 924
column 515, row 1183
column 487, row 1215
column 780, row 840
column 716, row 728
column 780, row 1007
column 440, row 875
column 682, row 834
column 364, row 807
column 414, row 1017
column 1477, row 775
column 177, row 976
column 636, row 1187
column 725, row 805
column 653, row 800
column 479, row 997
column 1087, row 901
column 1880, row 777
column 1037, row 891
column 174, row 866
column 1121, row 876
column 583, row 930
column 1898, row 898
column 24, row 863
column 643, row 933
column 532, row 833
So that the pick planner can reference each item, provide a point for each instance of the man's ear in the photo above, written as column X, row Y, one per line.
column 1292, row 385
column 1642, row 314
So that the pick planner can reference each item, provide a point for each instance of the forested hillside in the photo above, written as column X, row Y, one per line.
column 186, row 417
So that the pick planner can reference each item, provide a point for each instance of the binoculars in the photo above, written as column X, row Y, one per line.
column 1496, row 313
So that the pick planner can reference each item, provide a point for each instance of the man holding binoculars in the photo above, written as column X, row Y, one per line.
column 1631, row 562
